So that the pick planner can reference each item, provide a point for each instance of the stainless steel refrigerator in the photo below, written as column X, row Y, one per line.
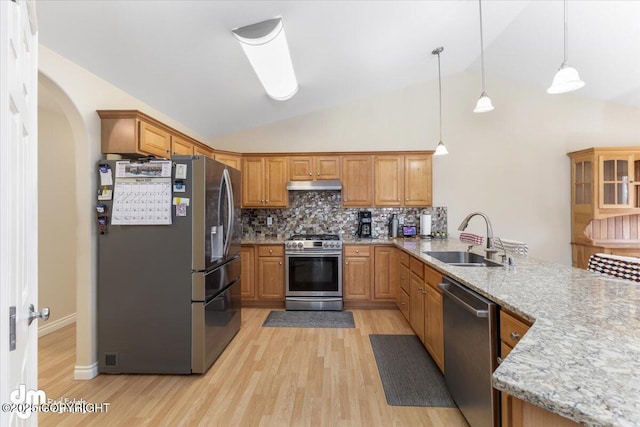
column 169, row 284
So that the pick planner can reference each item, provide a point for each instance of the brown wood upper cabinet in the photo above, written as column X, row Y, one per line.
column 357, row 181
column 180, row 146
column 605, row 181
column 132, row 133
column 310, row 168
column 200, row 151
column 229, row 159
column 152, row 140
column 264, row 182
column 403, row 180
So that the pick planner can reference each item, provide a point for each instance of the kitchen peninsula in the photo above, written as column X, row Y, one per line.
column 581, row 357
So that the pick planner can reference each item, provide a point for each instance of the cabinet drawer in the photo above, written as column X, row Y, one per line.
column 404, row 258
column 417, row 267
column 403, row 303
column 357, row 250
column 270, row 250
column 432, row 277
column 512, row 329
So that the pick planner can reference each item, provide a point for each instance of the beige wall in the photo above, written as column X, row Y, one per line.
column 510, row 163
column 79, row 94
column 56, row 219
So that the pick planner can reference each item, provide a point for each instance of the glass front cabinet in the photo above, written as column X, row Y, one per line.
column 605, row 202
column 606, row 181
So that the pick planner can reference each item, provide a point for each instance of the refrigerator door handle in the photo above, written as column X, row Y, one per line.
column 229, row 231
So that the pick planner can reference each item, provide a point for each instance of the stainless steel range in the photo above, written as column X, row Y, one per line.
column 313, row 272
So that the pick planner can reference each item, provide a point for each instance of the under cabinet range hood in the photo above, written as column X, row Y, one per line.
column 324, row 185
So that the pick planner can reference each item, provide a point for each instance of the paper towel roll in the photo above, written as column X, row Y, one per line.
column 425, row 225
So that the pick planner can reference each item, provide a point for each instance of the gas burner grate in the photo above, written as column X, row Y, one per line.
column 315, row 237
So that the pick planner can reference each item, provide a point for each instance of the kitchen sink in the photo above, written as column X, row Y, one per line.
column 462, row 259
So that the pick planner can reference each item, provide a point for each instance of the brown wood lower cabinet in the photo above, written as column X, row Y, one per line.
column 523, row 414
column 271, row 272
column 385, row 278
column 248, row 273
column 420, row 301
column 416, row 305
column 516, row 412
column 356, row 273
column 262, row 275
column 433, row 332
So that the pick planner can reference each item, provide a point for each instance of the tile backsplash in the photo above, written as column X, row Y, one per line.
column 321, row 212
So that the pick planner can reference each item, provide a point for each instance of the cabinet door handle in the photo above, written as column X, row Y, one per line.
column 346, row 263
column 280, row 263
column 310, row 174
column 500, row 360
column 318, row 173
column 270, row 251
column 357, row 251
column 514, row 335
column 266, row 201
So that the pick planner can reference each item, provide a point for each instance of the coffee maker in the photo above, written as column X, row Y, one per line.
column 364, row 224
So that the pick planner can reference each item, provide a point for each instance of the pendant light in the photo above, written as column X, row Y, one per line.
column 440, row 148
column 484, row 103
column 567, row 78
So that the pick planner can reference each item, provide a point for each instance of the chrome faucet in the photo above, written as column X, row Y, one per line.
column 490, row 250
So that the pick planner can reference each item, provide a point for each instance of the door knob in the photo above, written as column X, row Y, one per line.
column 42, row 314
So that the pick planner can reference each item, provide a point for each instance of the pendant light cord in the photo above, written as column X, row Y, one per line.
column 440, row 95
column 482, row 45
column 566, row 32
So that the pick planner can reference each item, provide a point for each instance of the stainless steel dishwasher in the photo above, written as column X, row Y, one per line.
column 470, row 347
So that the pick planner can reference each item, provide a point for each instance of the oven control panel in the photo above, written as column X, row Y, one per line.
column 310, row 245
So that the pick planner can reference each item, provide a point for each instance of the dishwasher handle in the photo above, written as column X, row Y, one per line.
column 473, row 310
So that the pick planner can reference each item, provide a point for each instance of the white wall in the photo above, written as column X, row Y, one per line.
column 56, row 219
column 510, row 163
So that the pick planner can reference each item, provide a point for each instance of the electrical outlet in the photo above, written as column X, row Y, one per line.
column 269, row 221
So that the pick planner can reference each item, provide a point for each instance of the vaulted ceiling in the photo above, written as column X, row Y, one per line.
column 181, row 58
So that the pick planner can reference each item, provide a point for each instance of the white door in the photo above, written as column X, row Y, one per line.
column 18, row 209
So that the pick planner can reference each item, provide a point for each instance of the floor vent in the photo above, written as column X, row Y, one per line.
column 110, row 359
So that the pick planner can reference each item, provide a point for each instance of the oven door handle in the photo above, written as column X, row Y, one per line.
column 313, row 254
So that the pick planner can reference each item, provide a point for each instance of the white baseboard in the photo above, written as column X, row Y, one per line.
column 48, row 327
column 86, row 372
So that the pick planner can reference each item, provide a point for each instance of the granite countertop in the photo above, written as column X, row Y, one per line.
column 254, row 241
column 581, row 357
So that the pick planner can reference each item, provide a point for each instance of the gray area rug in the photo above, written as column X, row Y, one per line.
column 309, row 319
column 409, row 376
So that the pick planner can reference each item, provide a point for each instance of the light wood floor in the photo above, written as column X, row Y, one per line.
column 266, row 377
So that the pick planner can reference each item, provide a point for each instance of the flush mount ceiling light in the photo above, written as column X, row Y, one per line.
column 266, row 47
column 567, row 78
column 484, row 103
column 440, row 148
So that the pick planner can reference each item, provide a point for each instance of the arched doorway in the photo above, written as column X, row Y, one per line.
column 78, row 205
